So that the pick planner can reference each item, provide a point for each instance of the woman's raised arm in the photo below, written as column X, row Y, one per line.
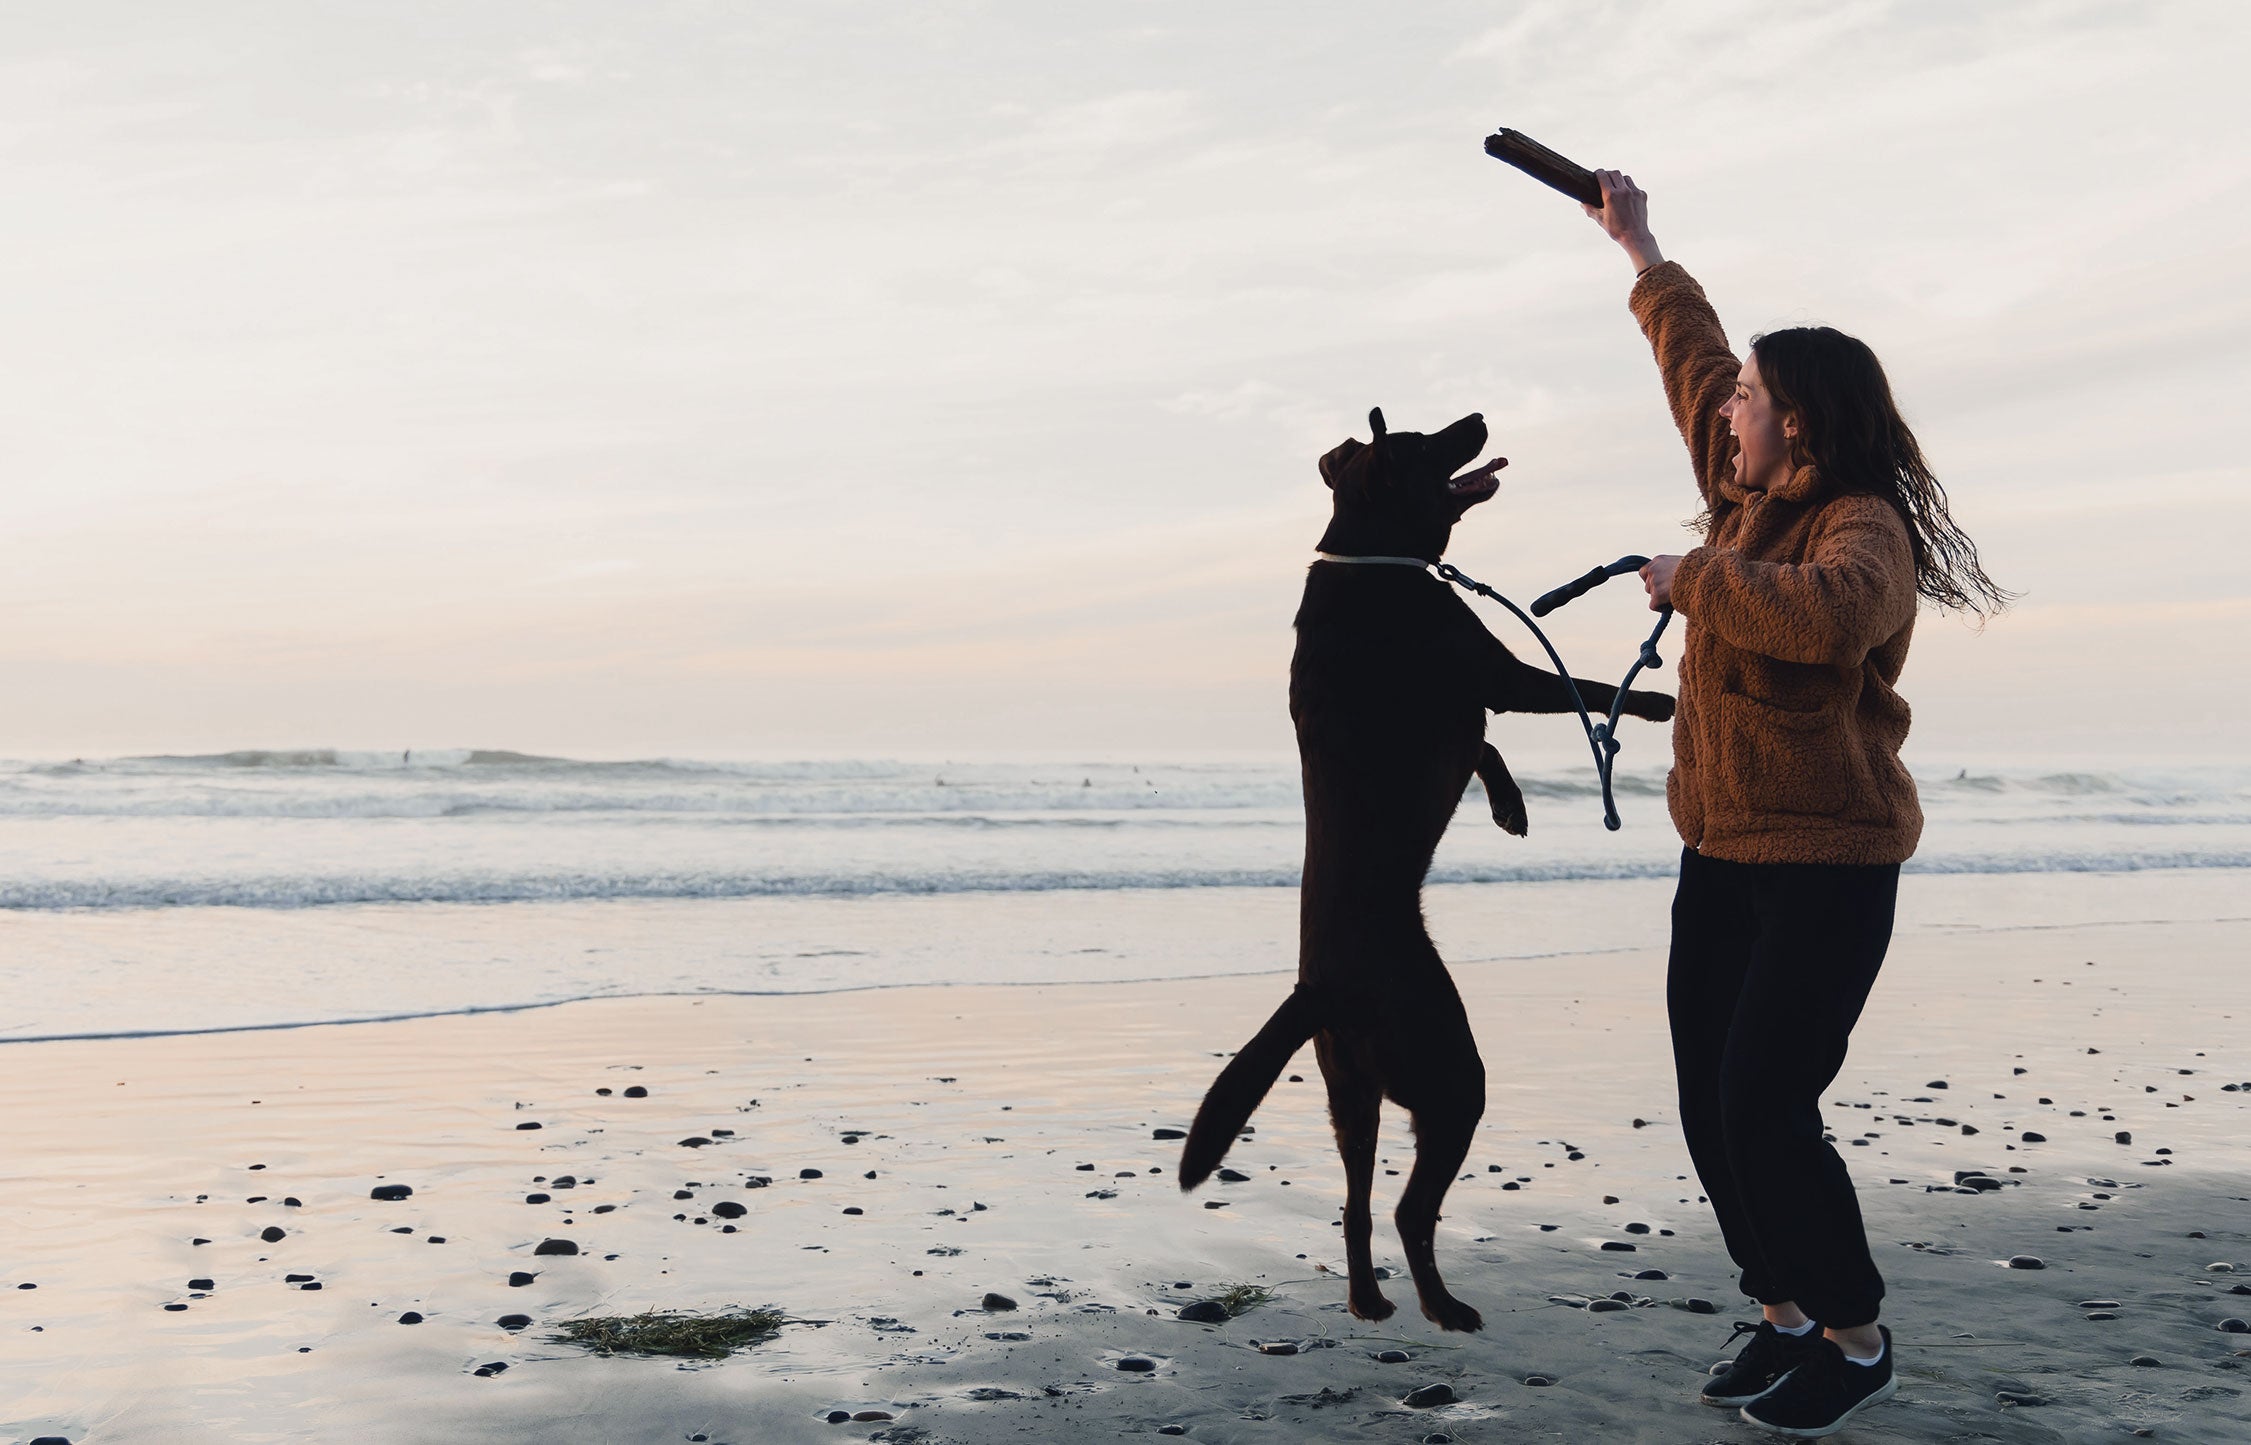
column 1684, row 331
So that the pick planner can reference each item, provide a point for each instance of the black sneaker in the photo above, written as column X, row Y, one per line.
column 1821, row 1395
column 1751, row 1375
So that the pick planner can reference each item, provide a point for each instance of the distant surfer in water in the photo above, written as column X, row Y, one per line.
column 1823, row 529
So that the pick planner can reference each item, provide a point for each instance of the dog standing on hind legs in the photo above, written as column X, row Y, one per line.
column 1389, row 689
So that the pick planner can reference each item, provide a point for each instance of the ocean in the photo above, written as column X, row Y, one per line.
column 253, row 889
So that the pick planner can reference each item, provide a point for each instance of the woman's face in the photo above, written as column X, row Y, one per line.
column 1762, row 430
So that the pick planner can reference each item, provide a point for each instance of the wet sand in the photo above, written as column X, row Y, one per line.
column 1002, row 1140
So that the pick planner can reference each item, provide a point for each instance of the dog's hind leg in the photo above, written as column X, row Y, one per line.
column 1445, row 1093
column 1355, row 1108
column 1501, row 791
column 1442, row 1137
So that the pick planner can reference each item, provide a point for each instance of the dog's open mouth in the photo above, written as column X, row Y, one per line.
column 1473, row 488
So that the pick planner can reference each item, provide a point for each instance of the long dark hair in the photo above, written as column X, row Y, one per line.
column 1850, row 430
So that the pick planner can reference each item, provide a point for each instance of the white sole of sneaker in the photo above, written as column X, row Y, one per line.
column 1880, row 1394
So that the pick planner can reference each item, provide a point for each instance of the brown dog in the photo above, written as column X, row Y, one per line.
column 1389, row 689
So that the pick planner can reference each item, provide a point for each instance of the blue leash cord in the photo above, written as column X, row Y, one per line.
column 1602, row 737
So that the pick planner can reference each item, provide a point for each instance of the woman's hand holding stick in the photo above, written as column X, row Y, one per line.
column 1624, row 218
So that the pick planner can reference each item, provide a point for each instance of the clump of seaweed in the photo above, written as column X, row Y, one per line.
column 675, row 1332
column 1241, row 1299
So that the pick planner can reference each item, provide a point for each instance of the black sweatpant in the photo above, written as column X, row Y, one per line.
column 1771, row 963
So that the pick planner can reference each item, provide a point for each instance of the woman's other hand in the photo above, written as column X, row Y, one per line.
column 1657, row 576
column 1624, row 218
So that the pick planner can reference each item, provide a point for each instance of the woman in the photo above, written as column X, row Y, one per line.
column 1823, row 527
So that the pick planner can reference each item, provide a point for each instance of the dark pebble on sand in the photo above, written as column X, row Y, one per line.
column 411, row 1317
column 998, row 1302
column 557, row 1246
column 528, row 1124
column 1233, row 1176
column 1278, row 1347
column 296, row 1279
column 1969, row 1128
column 175, row 1308
column 1537, row 1381
column 2124, row 1136
column 1168, row 1133
column 1651, row 1274
column 729, row 1209
column 694, row 1141
column 808, row 1173
column 537, row 1198
column 870, row 1417
column 273, row 1234
column 1391, row 1357
column 2098, row 1304
column 2030, row 1137
column 1172, row 1429
column 839, row 1417
column 389, row 1191
column 601, row 1093
column 2027, row 1261
column 51, row 1440
column 848, row 1209
column 2147, row 1362
column 1605, row 1306
column 2233, row 1326
column 487, row 1371
column 1206, row 1312
column 2098, row 1316
column 1136, row 1365
column 635, row 1091
column 1617, row 1246
column 514, row 1322
column 202, row 1284
column 519, row 1278
column 1637, row 1228
column 2239, row 1289
column 1429, row 1396
column 2018, row 1398
column 1697, row 1306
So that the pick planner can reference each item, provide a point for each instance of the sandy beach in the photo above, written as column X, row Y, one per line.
column 876, row 1164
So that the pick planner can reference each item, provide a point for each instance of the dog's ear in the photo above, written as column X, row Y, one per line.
column 1375, row 422
column 1340, row 456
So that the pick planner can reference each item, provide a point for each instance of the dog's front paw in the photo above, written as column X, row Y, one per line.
column 1654, row 706
column 1508, row 812
column 1370, row 1306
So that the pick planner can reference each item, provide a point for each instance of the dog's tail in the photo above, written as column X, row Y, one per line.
column 1243, row 1083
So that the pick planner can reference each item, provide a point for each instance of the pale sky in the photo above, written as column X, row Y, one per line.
column 789, row 379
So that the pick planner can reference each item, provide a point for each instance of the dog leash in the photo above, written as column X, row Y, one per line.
column 1602, row 737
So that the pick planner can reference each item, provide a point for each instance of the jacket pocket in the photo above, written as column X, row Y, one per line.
column 1783, row 760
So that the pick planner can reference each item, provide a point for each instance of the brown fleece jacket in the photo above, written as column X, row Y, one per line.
column 1798, row 608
